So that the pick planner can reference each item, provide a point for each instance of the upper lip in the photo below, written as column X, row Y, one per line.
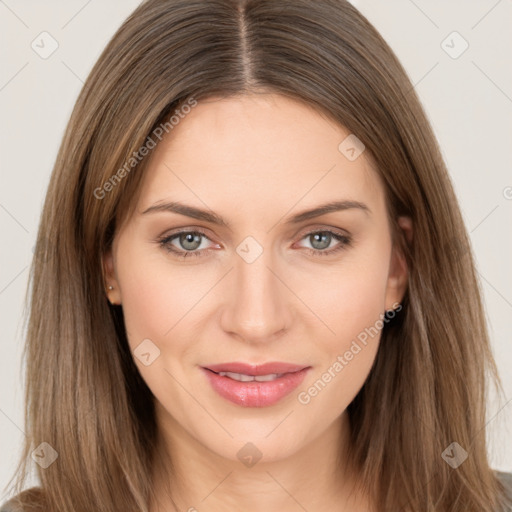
column 252, row 369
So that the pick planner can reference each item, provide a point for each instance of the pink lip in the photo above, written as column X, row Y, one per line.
column 255, row 394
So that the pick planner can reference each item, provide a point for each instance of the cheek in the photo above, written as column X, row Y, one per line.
column 351, row 303
column 350, row 298
column 157, row 302
column 155, row 298
column 145, row 301
column 358, row 302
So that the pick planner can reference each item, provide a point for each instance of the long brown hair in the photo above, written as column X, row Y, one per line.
column 84, row 395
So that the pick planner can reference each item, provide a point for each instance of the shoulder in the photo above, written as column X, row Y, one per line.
column 11, row 506
column 29, row 500
column 505, row 479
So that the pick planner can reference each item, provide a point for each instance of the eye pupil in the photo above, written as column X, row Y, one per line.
column 190, row 238
column 318, row 237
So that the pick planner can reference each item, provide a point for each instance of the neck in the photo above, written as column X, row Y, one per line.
column 192, row 478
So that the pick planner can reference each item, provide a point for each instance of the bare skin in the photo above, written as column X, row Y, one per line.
column 256, row 161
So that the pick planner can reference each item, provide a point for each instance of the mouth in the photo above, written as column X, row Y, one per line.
column 249, row 385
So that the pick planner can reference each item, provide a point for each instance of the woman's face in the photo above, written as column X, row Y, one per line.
column 252, row 278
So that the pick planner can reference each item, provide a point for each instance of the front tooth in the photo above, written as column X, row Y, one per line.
column 249, row 378
column 265, row 378
column 237, row 376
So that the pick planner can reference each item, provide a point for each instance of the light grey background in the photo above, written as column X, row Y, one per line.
column 468, row 100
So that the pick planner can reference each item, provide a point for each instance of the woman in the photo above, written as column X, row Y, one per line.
column 254, row 187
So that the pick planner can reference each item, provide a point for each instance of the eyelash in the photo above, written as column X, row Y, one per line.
column 164, row 242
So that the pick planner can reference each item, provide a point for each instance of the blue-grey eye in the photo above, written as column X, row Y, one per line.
column 320, row 240
column 190, row 241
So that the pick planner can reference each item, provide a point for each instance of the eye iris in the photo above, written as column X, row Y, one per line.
column 318, row 236
column 190, row 238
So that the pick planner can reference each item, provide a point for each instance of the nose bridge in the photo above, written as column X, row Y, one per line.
column 257, row 302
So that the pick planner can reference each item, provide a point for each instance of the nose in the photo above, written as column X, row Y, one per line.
column 257, row 302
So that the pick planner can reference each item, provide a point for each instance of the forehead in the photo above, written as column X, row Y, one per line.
column 259, row 151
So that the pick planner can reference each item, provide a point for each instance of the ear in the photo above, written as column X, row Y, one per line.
column 109, row 278
column 398, row 271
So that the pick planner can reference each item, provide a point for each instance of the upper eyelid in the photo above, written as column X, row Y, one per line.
column 205, row 230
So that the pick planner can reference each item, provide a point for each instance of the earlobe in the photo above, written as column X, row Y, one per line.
column 397, row 281
column 111, row 285
column 398, row 270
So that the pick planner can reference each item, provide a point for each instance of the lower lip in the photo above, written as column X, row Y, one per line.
column 255, row 394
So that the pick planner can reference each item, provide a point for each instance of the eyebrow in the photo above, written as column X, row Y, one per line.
column 209, row 216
